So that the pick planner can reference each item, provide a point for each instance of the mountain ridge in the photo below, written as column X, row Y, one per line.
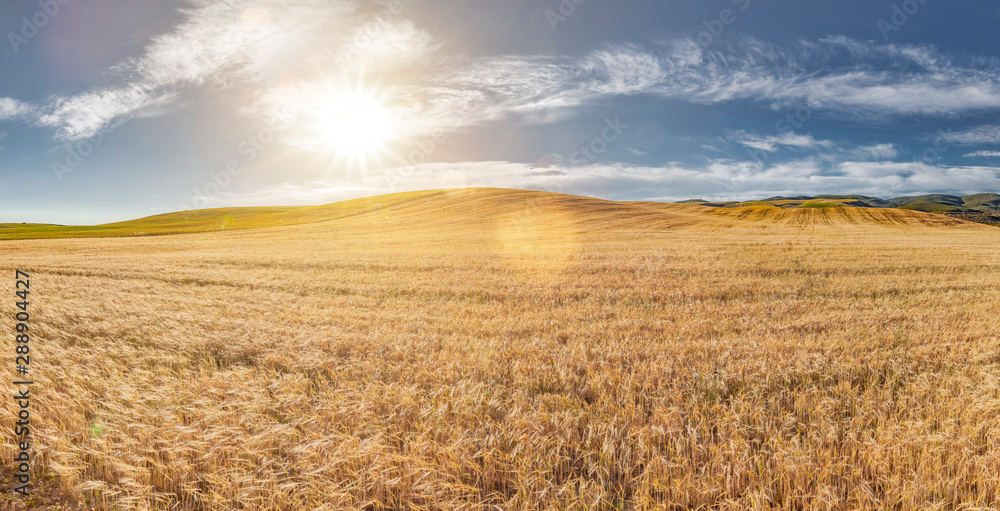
column 980, row 207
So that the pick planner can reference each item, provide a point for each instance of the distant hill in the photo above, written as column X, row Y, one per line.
column 218, row 219
column 981, row 207
column 517, row 215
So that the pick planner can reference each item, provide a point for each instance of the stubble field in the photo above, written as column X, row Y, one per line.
column 489, row 349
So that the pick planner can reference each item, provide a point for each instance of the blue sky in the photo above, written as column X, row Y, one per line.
column 117, row 109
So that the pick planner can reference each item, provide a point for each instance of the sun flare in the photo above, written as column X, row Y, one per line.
column 355, row 125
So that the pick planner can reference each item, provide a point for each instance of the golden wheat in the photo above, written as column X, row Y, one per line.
column 515, row 350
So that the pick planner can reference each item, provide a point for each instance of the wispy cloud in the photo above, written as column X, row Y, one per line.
column 220, row 43
column 771, row 143
column 626, row 69
column 718, row 180
column 11, row 108
column 278, row 56
column 839, row 77
column 83, row 115
column 875, row 152
column 982, row 135
column 876, row 80
column 849, row 77
column 825, row 150
column 983, row 154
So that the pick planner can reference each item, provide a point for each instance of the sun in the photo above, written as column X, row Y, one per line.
column 355, row 125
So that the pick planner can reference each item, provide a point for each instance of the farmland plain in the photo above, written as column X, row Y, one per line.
column 504, row 349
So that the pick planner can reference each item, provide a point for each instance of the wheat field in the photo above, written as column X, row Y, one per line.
column 498, row 349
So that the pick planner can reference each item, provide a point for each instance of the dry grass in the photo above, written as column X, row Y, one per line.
column 505, row 350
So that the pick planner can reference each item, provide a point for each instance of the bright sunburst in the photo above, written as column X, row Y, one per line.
column 355, row 125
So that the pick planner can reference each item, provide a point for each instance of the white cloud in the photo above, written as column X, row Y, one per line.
column 981, row 135
column 875, row 152
column 718, row 180
column 771, row 143
column 220, row 43
column 84, row 115
column 983, row 154
column 825, row 150
column 880, row 81
column 276, row 56
column 10, row 108
column 624, row 70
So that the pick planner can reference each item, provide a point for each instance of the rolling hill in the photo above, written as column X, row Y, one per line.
column 541, row 212
column 981, row 207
